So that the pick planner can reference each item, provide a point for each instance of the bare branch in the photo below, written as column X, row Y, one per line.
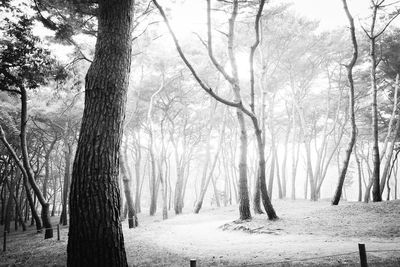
column 388, row 23
column 252, row 51
column 190, row 67
column 219, row 67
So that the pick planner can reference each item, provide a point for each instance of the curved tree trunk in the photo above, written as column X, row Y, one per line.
column 31, row 202
column 263, row 186
column 95, row 234
column 343, row 171
column 45, row 214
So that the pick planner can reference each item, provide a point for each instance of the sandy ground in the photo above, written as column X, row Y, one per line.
column 307, row 234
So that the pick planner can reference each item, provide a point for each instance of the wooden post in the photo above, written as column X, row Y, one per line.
column 58, row 232
column 4, row 241
column 363, row 255
column 192, row 263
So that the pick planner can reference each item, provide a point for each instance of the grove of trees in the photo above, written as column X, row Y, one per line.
column 109, row 109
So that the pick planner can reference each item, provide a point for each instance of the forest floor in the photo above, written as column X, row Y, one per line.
column 307, row 234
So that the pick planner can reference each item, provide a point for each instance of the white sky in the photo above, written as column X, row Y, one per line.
column 187, row 15
column 330, row 13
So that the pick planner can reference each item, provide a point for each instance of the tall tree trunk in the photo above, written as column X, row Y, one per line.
column 244, row 202
column 396, row 133
column 271, row 171
column 47, row 166
column 306, row 185
column 95, row 233
column 18, row 200
column 216, row 195
column 376, row 195
column 179, row 179
column 395, row 179
column 138, row 159
column 164, row 192
column 10, row 205
column 257, row 193
column 132, row 218
column 295, row 154
column 284, row 186
column 342, row 176
column 277, row 174
column 35, row 216
column 359, row 171
column 66, row 187
column 45, row 214
column 269, row 209
column 389, row 175
column 307, row 141
column 153, row 176
column 186, row 173
column 153, row 185
column 210, row 173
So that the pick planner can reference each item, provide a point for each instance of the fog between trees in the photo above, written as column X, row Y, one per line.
column 257, row 103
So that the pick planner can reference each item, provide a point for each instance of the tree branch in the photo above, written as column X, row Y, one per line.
column 252, row 51
column 206, row 88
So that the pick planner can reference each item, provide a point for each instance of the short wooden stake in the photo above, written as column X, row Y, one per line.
column 4, row 240
column 58, row 232
column 193, row 263
column 363, row 255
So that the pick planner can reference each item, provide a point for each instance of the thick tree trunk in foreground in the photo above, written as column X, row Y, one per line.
column 349, row 67
column 95, row 234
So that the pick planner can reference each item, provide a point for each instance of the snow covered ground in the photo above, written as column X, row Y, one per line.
column 307, row 234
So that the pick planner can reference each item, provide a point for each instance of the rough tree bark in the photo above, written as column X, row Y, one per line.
column 95, row 234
